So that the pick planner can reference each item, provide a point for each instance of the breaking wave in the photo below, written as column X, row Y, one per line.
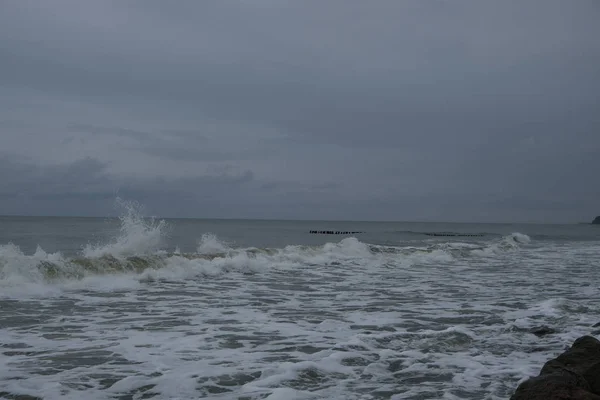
column 15, row 266
column 136, row 235
column 210, row 244
column 137, row 250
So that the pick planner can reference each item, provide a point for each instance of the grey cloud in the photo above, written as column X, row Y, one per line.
column 174, row 144
column 188, row 134
column 155, row 144
column 21, row 179
column 230, row 192
column 26, row 184
column 194, row 154
column 101, row 130
column 434, row 108
column 294, row 187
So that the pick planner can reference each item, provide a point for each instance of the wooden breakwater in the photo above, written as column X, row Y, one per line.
column 334, row 232
column 453, row 234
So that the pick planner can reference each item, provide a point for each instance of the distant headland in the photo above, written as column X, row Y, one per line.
column 596, row 220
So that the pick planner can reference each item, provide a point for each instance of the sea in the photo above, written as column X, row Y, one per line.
column 147, row 308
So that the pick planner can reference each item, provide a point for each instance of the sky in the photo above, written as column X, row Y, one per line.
column 405, row 110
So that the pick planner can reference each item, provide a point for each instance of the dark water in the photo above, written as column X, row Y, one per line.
column 70, row 235
column 134, row 308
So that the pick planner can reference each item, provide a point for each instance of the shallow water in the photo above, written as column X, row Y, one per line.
column 134, row 309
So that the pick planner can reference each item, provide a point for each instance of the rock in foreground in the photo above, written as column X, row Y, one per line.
column 596, row 220
column 573, row 375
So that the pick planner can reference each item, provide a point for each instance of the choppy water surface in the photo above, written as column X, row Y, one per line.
column 121, row 312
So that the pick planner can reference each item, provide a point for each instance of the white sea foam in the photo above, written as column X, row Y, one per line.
column 210, row 244
column 137, row 236
column 16, row 266
column 343, row 320
column 507, row 243
column 142, row 239
column 520, row 238
column 188, row 344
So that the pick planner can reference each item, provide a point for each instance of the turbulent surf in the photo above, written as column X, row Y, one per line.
column 145, row 308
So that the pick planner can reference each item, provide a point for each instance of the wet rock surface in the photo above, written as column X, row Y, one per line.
column 573, row 375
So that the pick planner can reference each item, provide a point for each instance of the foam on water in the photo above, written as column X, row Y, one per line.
column 343, row 320
column 137, row 236
column 215, row 257
column 210, row 244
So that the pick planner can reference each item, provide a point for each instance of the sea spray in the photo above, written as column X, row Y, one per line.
column 136, row 249
column 16, row 266
column 210, row 244
column 520, row 238
column 137, row 236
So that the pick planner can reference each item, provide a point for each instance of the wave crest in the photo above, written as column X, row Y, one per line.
column 136, row 250
column 210, row 244
column 214, row 257
column 137, row 236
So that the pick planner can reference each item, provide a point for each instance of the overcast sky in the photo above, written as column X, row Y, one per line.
column 321, row 109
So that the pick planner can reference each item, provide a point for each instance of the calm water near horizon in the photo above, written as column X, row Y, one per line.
column 134, row 308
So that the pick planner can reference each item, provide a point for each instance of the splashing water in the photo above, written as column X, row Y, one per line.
column 341, row 320
column 210, row 244
column 520, row 238
column 137, row 235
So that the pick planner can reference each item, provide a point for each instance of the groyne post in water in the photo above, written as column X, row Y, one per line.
column 453, row 234
column 334, row 232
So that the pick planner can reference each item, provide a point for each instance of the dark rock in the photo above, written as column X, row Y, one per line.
column 596, row 220
column 596, row 325
column 573, row 375
column 584, row 358
column 542, row 331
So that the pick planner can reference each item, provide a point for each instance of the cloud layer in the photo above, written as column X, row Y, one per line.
column 394, row 110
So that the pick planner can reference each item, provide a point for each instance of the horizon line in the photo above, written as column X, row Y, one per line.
column 300, row 220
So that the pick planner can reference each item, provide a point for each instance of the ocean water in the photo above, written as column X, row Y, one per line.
column 139, row 308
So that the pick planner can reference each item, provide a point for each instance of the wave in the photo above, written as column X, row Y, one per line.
column 137, row 249
column 215, row 258
column 445, row 233
column 210, row 244
column 136, row 235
